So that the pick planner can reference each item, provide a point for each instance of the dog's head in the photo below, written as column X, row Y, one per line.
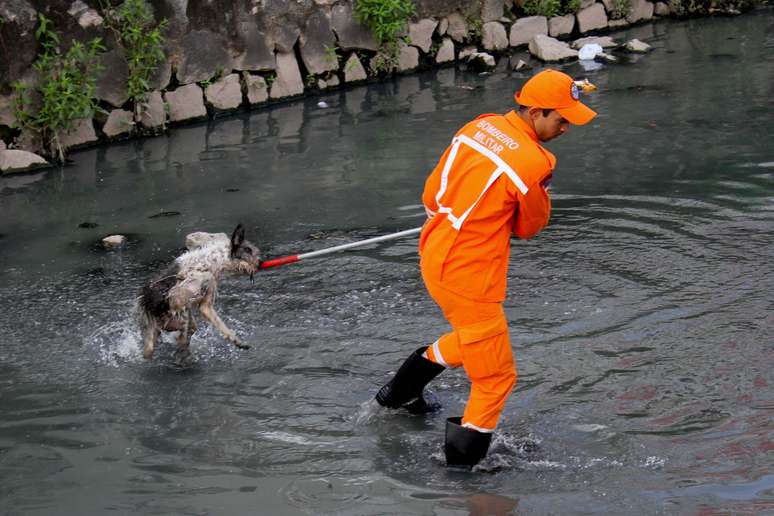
column 245, row 254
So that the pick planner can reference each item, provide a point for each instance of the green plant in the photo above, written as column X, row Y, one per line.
column 547, row 8
column 142, row 40
column 385, row 60
column 434, row 48
column 551, row 8
column 331, row 55
column 620, row 8
column 571, row 6
column 386, row 19
column 475, row 28
column 65, row 87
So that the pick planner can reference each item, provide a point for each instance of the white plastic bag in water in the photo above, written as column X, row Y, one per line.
column 589, row 51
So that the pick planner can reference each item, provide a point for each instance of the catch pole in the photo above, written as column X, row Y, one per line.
column 321, row 252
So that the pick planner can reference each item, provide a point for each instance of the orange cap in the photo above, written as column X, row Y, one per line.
column 551, row 89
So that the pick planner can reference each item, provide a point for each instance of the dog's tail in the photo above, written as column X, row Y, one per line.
column 142, row 318
column 153, row 301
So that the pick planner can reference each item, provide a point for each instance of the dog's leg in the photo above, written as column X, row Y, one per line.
column 184, row 337
column 187, row 328
column 151, row 334
column 208, row 312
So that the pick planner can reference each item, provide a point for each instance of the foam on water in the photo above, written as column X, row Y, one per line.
column 286, row 437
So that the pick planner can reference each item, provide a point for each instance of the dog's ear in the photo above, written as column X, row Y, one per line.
column 237, row 237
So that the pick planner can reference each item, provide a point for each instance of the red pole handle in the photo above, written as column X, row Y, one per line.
column 278, row 261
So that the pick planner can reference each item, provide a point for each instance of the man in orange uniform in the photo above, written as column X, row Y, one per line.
column 489, row 184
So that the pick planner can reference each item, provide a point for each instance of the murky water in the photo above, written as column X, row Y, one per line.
column 641, row 319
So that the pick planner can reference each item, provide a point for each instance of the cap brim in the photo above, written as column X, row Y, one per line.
column 579, row 114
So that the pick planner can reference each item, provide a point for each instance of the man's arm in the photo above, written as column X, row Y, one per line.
column 533, row 211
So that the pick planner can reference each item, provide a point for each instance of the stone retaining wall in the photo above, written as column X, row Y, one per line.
column 255, row 52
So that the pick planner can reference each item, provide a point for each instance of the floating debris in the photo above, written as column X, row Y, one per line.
column 113, row 241
column 165, row 214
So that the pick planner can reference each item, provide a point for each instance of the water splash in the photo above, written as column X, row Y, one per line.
column 368, row 411
column 116, row 343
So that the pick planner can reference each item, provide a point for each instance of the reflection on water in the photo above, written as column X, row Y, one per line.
column 641, row 319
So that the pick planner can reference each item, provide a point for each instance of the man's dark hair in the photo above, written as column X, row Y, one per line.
column 546, row 111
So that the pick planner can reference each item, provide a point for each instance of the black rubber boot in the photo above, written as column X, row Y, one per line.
column 405, row 388
column 464, row 447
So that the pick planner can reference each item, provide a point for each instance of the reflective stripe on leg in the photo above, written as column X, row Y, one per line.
column 438, row 355
column 445, row 351
column 478, row 428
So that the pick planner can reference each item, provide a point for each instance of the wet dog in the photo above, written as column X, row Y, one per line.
column 167, row 301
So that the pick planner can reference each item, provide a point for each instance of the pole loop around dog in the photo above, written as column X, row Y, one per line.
column 275, row 262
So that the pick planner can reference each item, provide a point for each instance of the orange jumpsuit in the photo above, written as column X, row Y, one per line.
column 490, row 183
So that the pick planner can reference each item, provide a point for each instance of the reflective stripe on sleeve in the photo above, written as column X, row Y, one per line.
column 502, row 168
column 512, row 175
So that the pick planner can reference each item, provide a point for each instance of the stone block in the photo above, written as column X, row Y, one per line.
column 119, row 122
column 525, row 29
column 458, row 27
column 421, row 34
column 257, row 89
column 185, row 103
column 592, row 18
column 19, row 21
column 408, row 58
column 161, row 76
column 152, row 112
column 445, row 52
column 317, row 42
column 288, row 81
column 662, row 9
column 225, row 93
column 640, row 10
column 609, row 5
column 353, row 70
column 492, row 10
column 284, row 36
column 203, row 56
column 85, row 15
column 113, row 241
column 6, row 110
column 602, row 41
column 466, row 53
column 18, row 160
column 443, row 26
column 493, row 36
column 481, row 61
column 637, row 46
column 351, row 34
column 111, row 82
column 81, row 133
column 550, row 49
column 561, row 25
column 258, row 48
